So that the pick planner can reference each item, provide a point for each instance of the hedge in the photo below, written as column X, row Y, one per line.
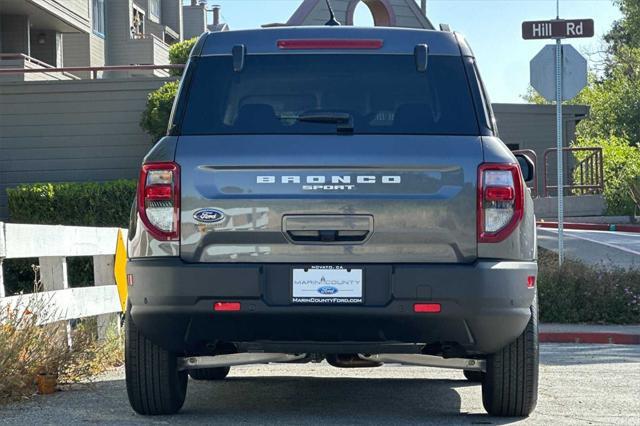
column 81, row 204
column 580, row 293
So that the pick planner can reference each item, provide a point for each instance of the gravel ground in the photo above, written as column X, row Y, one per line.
column 579, row 384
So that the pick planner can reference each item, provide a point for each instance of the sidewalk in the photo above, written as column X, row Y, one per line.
column 579, row 333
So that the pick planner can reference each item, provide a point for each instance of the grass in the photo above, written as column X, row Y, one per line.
column 28, row 349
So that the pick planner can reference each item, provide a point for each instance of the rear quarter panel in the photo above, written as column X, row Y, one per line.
column 521, row 244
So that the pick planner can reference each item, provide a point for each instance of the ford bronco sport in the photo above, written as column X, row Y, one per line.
column 333, row 194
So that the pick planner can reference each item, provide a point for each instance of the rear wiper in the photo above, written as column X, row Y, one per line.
column 342, row 119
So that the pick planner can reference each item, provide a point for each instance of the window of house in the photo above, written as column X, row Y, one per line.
column 154, row 10
column 137, row 23
column 97, row 19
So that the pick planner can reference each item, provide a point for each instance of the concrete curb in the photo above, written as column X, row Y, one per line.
column 590, row 333
column 593, row 338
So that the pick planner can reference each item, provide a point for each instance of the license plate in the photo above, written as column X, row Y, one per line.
column 327, row 285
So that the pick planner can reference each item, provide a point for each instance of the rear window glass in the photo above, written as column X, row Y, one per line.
column 380, row 94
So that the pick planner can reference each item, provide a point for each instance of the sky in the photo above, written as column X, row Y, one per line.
column 492, row 27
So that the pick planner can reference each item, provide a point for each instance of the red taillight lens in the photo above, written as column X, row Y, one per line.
column 531, row 281
column 159, row 199
column 427, row 308
column 312, row 44
column 499, row 193
column 226, row 306
column 500, row 201
column 158, row 192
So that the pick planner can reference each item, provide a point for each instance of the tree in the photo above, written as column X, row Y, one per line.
column 626, row 31
column 155, row 118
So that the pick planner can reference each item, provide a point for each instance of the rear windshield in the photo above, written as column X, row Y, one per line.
column 326, row 93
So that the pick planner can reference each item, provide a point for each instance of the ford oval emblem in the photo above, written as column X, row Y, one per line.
column 327, row 290
column 208, row 215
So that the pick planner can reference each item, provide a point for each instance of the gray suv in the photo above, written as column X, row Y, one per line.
column 332, row 194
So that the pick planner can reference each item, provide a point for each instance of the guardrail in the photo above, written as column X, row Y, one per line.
column 52, row 245
column 93, row 70
column 589, row 172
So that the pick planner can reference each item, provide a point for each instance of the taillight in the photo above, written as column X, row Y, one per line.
column 500, row 201
column 159, row 199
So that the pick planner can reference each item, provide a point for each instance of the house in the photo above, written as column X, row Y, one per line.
column 90, row 33
column 195, row 18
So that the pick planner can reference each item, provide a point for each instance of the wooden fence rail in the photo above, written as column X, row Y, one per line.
column 52, row 245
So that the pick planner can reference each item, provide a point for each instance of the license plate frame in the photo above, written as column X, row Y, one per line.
column 327, row 285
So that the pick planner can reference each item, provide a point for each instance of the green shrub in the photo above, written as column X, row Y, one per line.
column 155, row 117
column 621, row 165
column 578, row 293
column 81, row 204
column 179, row 53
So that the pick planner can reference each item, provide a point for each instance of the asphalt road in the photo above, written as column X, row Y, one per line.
column 604, row 248
column 580, row 384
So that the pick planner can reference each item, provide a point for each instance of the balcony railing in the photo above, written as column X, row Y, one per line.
column 44, row 71
column 584, row 171
column 93, row 70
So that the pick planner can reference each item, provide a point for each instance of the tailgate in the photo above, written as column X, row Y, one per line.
column 328, row 198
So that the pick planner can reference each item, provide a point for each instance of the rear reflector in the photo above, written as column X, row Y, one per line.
column 432, row 308
column 531, row 281
column 226, row 306
column 311, row 44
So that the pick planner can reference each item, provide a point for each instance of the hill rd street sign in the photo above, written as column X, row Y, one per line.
column 557, row 28
column 558, row 72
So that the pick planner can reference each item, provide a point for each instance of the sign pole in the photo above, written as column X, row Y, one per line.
column 559, row 137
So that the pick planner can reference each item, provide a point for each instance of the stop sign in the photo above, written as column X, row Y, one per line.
column 543, row 72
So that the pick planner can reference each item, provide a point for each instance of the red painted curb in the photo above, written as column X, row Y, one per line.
column 598, row 338
column 592, row 226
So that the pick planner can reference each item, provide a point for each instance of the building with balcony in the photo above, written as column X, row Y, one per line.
column 92, row 33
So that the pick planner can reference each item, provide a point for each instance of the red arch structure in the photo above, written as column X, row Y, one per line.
column 381, row 10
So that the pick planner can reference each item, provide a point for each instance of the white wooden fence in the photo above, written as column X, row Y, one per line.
column 52, row 245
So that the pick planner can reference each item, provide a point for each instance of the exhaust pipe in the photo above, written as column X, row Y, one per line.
column 199, row 362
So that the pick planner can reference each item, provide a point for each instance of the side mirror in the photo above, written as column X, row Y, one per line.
column 527, row 167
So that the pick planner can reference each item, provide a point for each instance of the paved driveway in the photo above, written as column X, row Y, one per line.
column 580, row 384
column 617, row 249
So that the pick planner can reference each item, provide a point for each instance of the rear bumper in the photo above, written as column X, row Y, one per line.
column 485, row 306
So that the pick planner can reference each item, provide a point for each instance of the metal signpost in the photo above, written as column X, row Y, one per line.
column 558, row 73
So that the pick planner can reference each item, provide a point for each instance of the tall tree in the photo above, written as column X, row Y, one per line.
column 625, row 31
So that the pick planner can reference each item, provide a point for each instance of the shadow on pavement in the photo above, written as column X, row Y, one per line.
column 267, row 400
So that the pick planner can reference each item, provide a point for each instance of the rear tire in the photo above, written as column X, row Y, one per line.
column 474, row 376
column 154, row 384
column 510, row 385
column 217, row 373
